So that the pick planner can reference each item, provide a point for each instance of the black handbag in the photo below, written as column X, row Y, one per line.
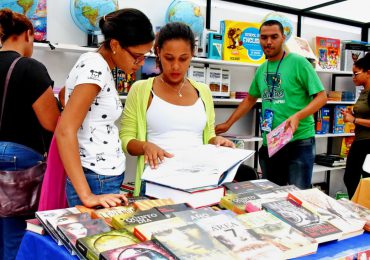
column 19, row 190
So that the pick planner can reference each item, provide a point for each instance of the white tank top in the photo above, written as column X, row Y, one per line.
column 173, row 127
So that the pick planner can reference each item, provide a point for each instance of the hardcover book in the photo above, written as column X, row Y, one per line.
column 34, row 225
column 144, row 250
column 330, row 210
column 267, row 227
column 195, row 198
column 328, row 52
column 232, row 234
column 351, row 52
column 304, row 220
column 92, row 246
column 42, row 216
column 201, row 163
column 192, row 242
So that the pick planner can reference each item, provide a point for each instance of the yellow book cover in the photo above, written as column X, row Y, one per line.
column 118, row 222
column 241, row 42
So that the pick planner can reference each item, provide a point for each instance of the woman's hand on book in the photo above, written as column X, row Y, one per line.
column 221, row 141
column 154, row 155
column 105, row 200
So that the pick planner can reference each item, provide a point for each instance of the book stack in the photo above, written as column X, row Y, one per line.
column 330, row 160
column 174, row 178
column 300, row 220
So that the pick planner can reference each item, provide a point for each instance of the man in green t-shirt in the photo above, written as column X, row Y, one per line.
column 290, row 90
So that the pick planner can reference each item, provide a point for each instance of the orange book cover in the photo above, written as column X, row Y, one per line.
column 328, row 52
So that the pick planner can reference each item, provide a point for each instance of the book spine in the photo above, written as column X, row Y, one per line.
column 81, row 248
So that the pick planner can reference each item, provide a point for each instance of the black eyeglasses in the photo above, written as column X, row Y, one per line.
column 138, row 59
column 354, row 75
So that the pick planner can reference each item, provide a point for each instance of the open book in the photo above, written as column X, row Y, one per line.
column 202, row 166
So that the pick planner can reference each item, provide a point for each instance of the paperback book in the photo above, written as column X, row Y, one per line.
column 145, row 232
column 232, row 234
column 278, row 138
column 192, row 242
column 267, row 227
column 191, row 216
column 248, row 186
column 304, row 220
column 328, row 52
column 151, row 203
column 92, row 246
column 73, row 231
column 144, row 250
column 168, row 210
column 42, row 216
column 330, row 210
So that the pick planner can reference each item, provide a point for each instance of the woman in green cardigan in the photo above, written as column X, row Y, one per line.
column 169, row 112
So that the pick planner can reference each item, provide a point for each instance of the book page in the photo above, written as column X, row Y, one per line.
column 197, row 167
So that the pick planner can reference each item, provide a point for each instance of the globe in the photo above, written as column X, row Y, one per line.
column 87, row 13
column 285, row 21
column 187, row 12
column 35, row 10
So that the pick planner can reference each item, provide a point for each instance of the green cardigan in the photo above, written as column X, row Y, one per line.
column 133, row 122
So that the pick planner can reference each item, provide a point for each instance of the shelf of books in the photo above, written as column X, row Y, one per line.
column 62, row 47
column 322, row 168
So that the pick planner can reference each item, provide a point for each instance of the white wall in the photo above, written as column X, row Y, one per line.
column 61, row 29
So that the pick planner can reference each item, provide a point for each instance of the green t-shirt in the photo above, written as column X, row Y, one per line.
column 295, row 84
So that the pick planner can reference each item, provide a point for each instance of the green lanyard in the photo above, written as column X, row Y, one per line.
column 274, row 79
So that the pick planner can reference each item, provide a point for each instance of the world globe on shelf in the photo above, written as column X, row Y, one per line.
column 87, row 13
column 35, row 10
column 187, row 12
column 285, row 21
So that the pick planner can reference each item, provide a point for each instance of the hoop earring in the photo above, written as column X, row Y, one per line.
column 114, row 52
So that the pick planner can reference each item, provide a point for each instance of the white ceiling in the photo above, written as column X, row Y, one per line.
column 356, row 10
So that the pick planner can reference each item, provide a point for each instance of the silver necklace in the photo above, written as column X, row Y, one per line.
column 179, row 91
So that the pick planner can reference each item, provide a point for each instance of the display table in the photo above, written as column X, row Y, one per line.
column 39, row 247
column 35, row 246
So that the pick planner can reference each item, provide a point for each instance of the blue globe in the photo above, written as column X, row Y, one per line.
column 285, row 21
column 35, row 10
column 187, row 12
column 87, row 13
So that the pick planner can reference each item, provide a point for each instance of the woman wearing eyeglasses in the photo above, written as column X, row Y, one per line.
column 169, row 112
column 361, row 118
column 87, row 137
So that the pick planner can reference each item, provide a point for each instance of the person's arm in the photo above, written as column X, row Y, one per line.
column 349, row 117
column 317, row 102
column 243, row 108
column 46, row 110
column 61, row 96
column 129, row 131
column 68, row 146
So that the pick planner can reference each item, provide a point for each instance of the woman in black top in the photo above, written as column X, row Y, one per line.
column 361, row 118
column 30, row 113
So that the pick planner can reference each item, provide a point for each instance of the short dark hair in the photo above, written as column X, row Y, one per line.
column 363, row 63
column 271, row 23
column 12, row 23
column 129, row 26
column 172, row 31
